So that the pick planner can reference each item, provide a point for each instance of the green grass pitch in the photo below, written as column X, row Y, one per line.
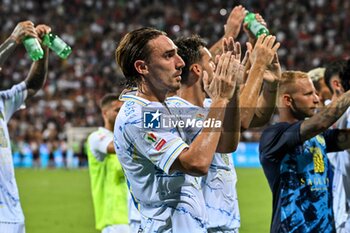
column 59, row 201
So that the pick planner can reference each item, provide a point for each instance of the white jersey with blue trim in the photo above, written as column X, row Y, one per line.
column 219, row 185
column 10, row 207
column 168, row 202
column 341, row 180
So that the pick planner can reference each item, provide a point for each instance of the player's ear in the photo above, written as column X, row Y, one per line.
column 197, row 70
column 141, row 67
column 287, row 100
column 335, row 83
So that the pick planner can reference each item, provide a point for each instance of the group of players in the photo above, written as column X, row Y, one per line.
column 182, row 178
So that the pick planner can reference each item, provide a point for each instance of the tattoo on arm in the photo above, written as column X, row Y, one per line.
column 324, row 119
column 6, row 49
column 37, row 75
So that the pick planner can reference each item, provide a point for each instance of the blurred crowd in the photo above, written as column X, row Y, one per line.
column 311, row 33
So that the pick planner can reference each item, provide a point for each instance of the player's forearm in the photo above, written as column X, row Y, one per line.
column 250, row 93
column 325, row 118
column 37, row 74
column 266, row 105
column 216, row 49
column 111, row 148
column 6, row 49
column 198, row 157
column 231, row 126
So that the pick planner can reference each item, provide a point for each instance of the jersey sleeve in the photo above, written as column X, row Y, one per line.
column 13, row 99
column 278, row 139
column 331, row 137
column 98, row 143
column 160, row 146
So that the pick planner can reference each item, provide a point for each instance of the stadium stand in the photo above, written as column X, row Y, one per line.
column 311, row 33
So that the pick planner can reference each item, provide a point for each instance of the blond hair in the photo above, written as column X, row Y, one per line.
column 316, row 74
column 288, row 81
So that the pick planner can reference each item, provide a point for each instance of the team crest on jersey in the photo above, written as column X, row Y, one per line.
column 321, row 140
column 156, row 141
column 200, row 117
column 318, row 159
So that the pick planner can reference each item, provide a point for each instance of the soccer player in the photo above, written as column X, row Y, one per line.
column 159, row 162
column 219, row 184
column 337, row 76
column 293, row 156
column 11, row 214
column 108, row 185
column 317, row 77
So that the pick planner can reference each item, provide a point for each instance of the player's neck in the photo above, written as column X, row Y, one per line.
column 148, row 93
column 109, row 126
column 286, row 116
column 193, row 94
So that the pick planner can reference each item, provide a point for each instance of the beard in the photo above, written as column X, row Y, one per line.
column 300, row 113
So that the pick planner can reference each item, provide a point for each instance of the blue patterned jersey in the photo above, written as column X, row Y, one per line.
column 299, row 175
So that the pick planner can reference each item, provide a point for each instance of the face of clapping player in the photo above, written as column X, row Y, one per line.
column 207, row 63
column 304, row 100
column 111, row 111
column 162, row 71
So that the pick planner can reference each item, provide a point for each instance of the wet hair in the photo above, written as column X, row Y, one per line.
column 333, row 68
column 107, row 99
column 132, row 47
column 189, row 51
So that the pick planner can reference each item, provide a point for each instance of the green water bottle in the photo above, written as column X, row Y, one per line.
column 33, row 48
column 57, row 45
column 254, row 26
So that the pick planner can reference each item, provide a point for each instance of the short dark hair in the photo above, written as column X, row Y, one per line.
column 345, row 76
column 333, row 68
column 132, row 47
column 107, row 99
column 189, row 51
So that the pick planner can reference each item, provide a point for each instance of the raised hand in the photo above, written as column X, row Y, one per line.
column 264, row 50
column 273, row 72
column 238, row 64
column 223, row 84
column 22, row 30
column 234, row 21
column 42, row 29
column 251, row 36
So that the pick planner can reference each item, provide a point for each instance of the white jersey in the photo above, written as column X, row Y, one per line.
column 219, row 185
column 167, row 202
column 10, row 207
column 133, row 215
column 341, row 180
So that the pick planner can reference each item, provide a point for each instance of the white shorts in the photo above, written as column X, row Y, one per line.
column 134, row 226
column 344, row 228
column 177, row 223
column 12, row 227
column 120, row 228
column 218, row 230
